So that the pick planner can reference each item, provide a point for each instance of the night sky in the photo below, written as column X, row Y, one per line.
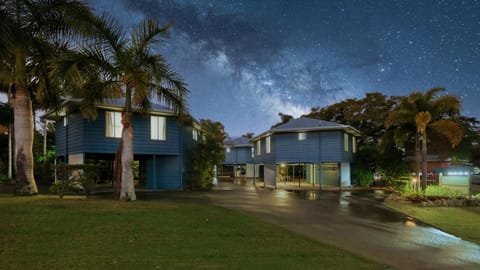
column 246, row 61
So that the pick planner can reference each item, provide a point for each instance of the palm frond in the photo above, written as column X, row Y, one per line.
column 146, row 33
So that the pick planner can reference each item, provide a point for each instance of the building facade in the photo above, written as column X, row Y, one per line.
column 161, row 143
column 306, row 151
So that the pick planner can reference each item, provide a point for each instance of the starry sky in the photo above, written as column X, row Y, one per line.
column 247, row 60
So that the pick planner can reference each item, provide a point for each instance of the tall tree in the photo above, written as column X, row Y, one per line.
column 26, row 28
column 132, row 66
column 420, row 114
column 208, row 153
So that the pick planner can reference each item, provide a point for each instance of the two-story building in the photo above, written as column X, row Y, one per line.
column 162, row 143
column 306, row 151
column 238, row 157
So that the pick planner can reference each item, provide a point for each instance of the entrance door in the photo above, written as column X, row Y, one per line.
column 330, row 174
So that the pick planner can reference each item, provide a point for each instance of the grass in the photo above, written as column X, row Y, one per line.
column 43, row 232
column 460, row 221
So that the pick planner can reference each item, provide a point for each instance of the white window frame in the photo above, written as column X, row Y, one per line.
column 158, row 128
column 354, row 144
column 345, row 142
column 113, row 124
column 195, row 134
column 259, row 147
column 302, row 136
column 268, row 145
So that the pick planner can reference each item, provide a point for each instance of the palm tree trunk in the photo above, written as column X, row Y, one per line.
column 23, row 126
column 127, row 191
column 417, row 161
column 424, row 161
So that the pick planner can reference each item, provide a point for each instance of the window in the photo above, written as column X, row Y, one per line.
column 195, row 134
column 158, row 128
column 65, row 121
column 253, row 152
column 228, row 149
column 259, row 147
column 302, row 136
column 354, row 144
column 345, row 142
column 113, row 124
column 267, row 146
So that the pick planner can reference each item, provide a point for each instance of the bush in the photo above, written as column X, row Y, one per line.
column 76, row 178
column 431, row 193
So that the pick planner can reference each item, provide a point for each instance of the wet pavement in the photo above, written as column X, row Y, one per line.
column 351, row 220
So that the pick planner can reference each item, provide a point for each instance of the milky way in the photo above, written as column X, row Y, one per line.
column 246, row 61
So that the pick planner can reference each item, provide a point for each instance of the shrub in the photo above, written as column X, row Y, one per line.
column 77, row 178
column 432, row 192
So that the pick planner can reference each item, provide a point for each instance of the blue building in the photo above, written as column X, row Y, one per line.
column 161, row 143
column 306, row 151
column 238, row 157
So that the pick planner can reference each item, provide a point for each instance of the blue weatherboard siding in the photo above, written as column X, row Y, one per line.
column 163, row 172
column 96, row 141
column 239, row 155
column 331, row 146
column 89, row 136
column 289, row 149
column 319, row 146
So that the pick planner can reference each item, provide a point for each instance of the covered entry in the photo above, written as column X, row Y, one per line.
column 316, row 175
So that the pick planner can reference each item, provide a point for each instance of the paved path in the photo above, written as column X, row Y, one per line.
column 354, row 222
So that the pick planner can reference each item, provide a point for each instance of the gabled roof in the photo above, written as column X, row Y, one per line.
column 304, row 124
column 237, row 142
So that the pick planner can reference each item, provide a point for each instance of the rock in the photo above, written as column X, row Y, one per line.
column 424, row 204
column 430, row 203
column 450, row 202
column 459, row 202
column 444, row 202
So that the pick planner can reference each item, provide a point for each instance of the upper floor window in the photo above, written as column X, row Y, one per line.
column 354, row 144
column 253, row 152
column 302, row 136
column 158, row 125
column 113, row 124
column 345, row 142
column 228, row 149
column 195, row 134
column 267, row 145
column 259, row 147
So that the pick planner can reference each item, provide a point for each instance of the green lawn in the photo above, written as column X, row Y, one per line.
column 463, row 222
column 43, row 232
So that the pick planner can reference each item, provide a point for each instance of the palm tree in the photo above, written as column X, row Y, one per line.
column 418, row 113
column 132, row 67
column 26, row 28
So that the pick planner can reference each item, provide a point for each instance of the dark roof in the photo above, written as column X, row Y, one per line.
column 238, row 141
column 307, row 124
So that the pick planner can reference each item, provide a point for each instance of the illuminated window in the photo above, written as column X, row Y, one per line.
column 113, row 124
column 228, row 149
column 302, row 136
column 259, row 147
column 65, row 121
column 345, row 142
column 267, row 146
column 158, row 128
column 195, row 134
column 354, row 144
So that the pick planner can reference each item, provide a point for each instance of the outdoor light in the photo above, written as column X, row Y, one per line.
column 414, row 180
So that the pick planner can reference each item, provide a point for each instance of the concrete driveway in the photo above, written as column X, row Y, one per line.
column 352, row 221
